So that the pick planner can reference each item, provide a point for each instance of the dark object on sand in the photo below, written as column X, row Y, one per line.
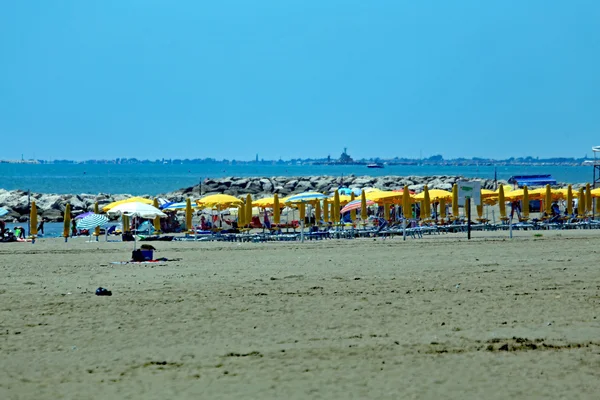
column 147, row 247
column 103, row 292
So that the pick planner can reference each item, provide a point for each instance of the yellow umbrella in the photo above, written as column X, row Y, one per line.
column 97, row 229
column 218, row 201
column 384, row 197
column 548, row 200
column 588, row 198
column 434, row 195
column 188, row 214
column 242, row 216
column 569, row 200
column 157, row 219
column 502, row 202
column 67, row 222
column 325, row 210
column 343, row 199
column 386, row 211
column 267, row 202
column 581, row 203
column 525, row 203
column 336, row 207
column 363, row 207
column 353, row 212
column 480, row 206
column 129, row 200
column 442, row 209
column 426, row 204
column 33, row 220
column 248, row 209
column 597, row 206
column 276, row 209
column 317, row 212
column 455, row 201
column 406, row 203
column 332, row 212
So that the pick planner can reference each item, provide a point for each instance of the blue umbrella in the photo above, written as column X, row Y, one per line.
column 305, row 197
column 174, row 206
column 92, row 221
column 3, row 212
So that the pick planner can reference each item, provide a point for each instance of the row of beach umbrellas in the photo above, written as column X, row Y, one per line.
column 327, row 205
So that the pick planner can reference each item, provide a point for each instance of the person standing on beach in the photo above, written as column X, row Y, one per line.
column 41, row 226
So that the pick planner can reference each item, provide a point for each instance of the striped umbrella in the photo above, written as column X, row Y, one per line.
column 305, row 197
column 355, row 205
column 92, row 221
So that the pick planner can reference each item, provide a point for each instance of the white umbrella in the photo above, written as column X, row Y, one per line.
column 137, row 210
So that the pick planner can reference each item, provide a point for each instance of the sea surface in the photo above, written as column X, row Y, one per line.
column 153, row 179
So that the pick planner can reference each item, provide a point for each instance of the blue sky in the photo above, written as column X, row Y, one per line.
column 299, row 78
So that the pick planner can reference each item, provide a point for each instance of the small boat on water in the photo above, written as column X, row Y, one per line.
column 375, row 165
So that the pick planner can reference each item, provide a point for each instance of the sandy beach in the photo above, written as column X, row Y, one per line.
column 435, row 318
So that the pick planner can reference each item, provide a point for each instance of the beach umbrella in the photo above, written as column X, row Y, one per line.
column 96, row 211
column 219, row 201
column 597, row 206
column 355, row 205
column 525, row 202
column 434, row 195
column 455, row 210
column 384, row 196
column 548, row 200
column 179, row 206
column 241, row 216
column 569, row 200
column 480, row 206
column 306, row 197
column 189, row 214
column 581, row 202
column 114, row 204
column 588, row 198
column 426, row 204
column 67, row 222
column 3, row 212
column 92, row 221
column 325, row 210
column 501, row 202
column 276, row 209
column 33, row 217
column 335, row 212
column 406, row 203
column 267, row 202
column 344, row 199
column 352, row 210
column 363, row 206
column 141, row 210
column 248, row 211
column 442, row 209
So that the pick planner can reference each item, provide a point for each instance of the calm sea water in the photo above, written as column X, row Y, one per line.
column 155, row 179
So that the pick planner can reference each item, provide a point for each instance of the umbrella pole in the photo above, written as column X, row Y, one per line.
column 404, row 229
column 302, row 231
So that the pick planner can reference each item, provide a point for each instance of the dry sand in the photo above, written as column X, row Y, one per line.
column 436, row 318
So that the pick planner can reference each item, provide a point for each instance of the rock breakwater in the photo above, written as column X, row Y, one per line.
column 52, row 206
